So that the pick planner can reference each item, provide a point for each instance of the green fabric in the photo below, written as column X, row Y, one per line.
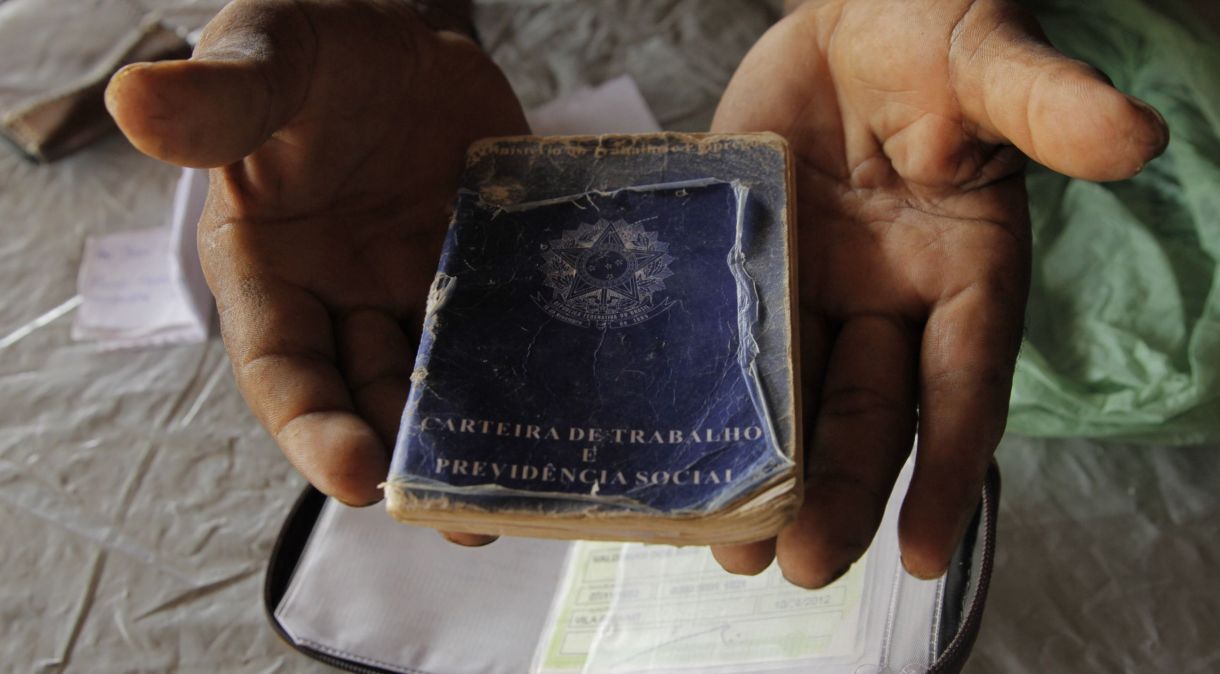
column 1123, row 325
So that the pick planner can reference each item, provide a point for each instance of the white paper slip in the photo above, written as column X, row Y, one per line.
column 650, row 608
column 654, row 608
column 630, row 608
column 145, row 287
column 615, row 106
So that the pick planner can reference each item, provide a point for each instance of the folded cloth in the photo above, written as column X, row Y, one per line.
column 58, row 56
column 1123, row 324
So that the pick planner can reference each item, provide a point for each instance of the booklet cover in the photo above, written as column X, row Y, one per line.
column 610, row 351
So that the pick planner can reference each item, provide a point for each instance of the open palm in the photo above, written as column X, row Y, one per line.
column 340, row 130
column 910, row 122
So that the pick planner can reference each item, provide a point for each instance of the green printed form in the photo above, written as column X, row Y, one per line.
column 631, row 607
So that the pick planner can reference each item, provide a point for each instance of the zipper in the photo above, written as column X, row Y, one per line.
column 298, row 526
column 953, row 658
column 289, row 545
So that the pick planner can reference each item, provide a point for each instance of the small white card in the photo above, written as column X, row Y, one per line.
column 615, row 106
column 144, row 287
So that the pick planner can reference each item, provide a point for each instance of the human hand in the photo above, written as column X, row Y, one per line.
column 909, row 121
column 337, row 131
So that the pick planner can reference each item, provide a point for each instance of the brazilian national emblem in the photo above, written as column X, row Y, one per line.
column 605, row 275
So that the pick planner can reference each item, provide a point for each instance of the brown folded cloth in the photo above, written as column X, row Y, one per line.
column 58, row 56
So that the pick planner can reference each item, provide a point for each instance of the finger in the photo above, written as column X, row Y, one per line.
column 969, row 349
column 248, row 77
column 280, row 341
column 746, row 559
column 377, row 360
column 814, row 334
column 769, row 92
column 1016, row 88
column 862, row 436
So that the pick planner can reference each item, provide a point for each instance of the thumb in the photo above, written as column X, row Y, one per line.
column 248, row 78
column 1064, row 114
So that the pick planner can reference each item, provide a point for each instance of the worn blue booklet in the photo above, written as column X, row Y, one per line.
column 614, row 362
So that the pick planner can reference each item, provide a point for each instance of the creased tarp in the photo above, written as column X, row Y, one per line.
column 1123, row 326
column 1106, row 560
column 139, row 499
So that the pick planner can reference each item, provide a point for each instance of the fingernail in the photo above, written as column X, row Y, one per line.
column 110, row 95
column 1147, row 108
column 126, row 71
column 454, row 538
column 913, row 574
column 351, row 504
column 837, row 575
column 816, row 586
column 1158, row 118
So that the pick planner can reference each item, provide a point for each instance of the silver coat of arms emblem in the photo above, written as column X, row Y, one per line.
column 605, row 275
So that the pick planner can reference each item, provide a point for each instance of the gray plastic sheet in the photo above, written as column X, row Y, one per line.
column 139, row 499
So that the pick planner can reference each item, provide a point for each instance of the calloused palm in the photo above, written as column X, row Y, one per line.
column 914, row 246
column 339, row 130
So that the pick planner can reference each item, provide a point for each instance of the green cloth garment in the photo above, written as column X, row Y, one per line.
column 1123, row 325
